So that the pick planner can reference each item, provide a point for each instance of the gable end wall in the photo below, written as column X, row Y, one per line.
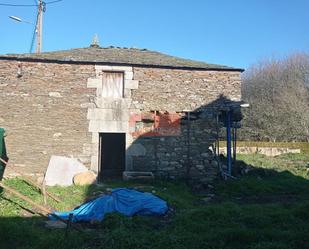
column 52, row 109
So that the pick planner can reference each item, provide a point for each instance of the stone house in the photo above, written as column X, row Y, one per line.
column 114, row 109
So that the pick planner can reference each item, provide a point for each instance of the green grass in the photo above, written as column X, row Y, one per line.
column 265, row 209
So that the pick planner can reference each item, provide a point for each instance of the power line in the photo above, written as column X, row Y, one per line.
column 56, row 1
column 32, row 40
column 34, row 33
column 17, row 5
column 27, row 5
column 37, row 32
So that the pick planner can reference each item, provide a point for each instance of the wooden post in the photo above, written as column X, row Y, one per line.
column 67, row 230
column 39, row 27
column 44, row 192
column 189, row 163
column 5, row 162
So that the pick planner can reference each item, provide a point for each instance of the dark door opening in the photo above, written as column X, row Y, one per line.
column 112, row 147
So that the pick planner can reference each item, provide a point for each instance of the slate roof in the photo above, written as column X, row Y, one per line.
column 119, row 56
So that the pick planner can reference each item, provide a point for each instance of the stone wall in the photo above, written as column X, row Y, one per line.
column 178, row 90
column 109, row 114
column 43, row 107
column 56, row 109
column 189, row 154
column 267, row 151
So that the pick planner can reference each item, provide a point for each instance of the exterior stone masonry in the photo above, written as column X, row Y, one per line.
column 44, row 112
column 172, row 156
column 190, row 152
column 178, row 90
column 50, row 108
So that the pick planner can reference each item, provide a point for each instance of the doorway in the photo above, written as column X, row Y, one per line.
column 112, row 147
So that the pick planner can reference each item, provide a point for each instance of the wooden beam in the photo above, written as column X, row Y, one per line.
column 31, row 182
column 44, row 211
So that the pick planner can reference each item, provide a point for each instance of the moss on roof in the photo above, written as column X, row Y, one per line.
column 121, row 56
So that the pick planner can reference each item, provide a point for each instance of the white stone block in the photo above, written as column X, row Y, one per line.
column 108, row 126
column 103, row 67
column 128, row 75
column 94, row 126
column 94, row 163
column 127, row 93
column 108, row 114
column 122, row 68
column 113, row 68
column 95, row 148
column 90, row 114
column 95, row 138
column 131, row 84
column 111, row 103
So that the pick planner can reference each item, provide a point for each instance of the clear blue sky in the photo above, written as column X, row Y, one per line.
column 236, row 33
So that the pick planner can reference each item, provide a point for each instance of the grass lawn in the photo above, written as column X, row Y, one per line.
column 267, row 208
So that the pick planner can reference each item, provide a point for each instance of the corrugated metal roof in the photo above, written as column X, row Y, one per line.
column 121, row 56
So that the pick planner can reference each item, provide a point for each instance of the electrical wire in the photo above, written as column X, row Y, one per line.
column 32, row 40
column 56, row 1
column 34, row 33
column 27, row 5
column 37, row 18
column 17, row 5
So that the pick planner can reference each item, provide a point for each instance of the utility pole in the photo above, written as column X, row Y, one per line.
column 38, row 34
column 39, row 26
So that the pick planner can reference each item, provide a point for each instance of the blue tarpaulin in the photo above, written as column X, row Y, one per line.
column 125, row 201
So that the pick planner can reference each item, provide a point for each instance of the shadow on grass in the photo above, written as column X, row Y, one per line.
column 261, row 185
column 262, row 208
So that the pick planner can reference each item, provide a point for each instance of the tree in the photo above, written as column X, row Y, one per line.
column 278, row 93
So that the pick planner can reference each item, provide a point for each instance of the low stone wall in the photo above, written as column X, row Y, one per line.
column 268, row 151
